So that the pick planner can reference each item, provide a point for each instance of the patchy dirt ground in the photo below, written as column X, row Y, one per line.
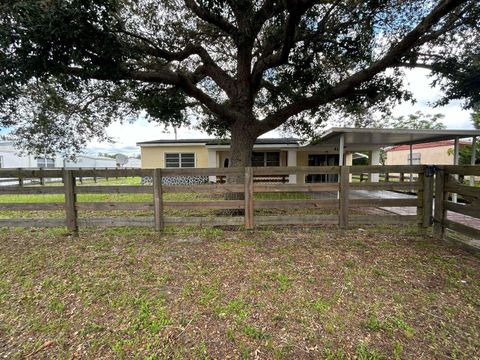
column 208, row 293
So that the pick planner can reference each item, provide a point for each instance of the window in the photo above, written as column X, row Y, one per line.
column 416, row 157
column 258, row 159
column 272, row 159
column 1, row 162
column 45, row 163
column 265, row 159
column 180, row 160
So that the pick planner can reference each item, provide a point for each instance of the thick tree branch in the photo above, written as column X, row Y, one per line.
column 185, row 81
column 213, row 19
column 162, row 76
column 269, row 9
column 281, row 57
column 269, row 59
column 348, row 85
column 451, row 22
column 220, row 76
column 210, row 68
column 413, row 65
column 224, row 113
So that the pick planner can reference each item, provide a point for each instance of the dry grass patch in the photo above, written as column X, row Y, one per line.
column 211, row 293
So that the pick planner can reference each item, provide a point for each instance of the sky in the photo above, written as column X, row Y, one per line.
column 127, row 135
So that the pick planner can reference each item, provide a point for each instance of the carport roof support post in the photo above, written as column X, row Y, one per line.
column 473, row 159
column 292, row 161
column 374, row 159
column 411, row 161
column 341, row 146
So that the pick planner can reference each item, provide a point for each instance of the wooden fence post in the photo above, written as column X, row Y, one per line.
column 248, row 197
column 428, row 196
column 42, row 179
column 440, row 212
column 70, row 201
column 344, row 197
column 158, row 199
column 20, row 180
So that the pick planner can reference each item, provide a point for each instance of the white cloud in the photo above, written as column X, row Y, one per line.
column 418, row 83
column 126, row 135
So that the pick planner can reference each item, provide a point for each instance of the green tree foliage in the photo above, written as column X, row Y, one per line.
column 465, row 154
column 418, row 120
column 475, row 115
column 108, row 155
column 68, row 68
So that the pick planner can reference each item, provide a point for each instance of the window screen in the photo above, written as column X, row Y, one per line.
column 180, row 160
column 172, row 160
column 187, row 160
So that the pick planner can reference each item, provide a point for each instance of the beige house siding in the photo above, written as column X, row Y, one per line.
column 154, row 156
column 302, row 158
column 439, row 155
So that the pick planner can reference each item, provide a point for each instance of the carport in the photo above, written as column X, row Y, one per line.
column 372, row 140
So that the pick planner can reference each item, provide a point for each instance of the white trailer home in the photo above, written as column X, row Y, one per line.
column 10, row 157
column 86, row 161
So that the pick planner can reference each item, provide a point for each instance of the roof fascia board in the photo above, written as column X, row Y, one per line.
column 257, row 146
column 170, row 144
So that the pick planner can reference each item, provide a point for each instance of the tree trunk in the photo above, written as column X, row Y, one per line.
column 241, row 146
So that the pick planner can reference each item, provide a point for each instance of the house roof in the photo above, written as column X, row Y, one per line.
column 213, row 142
column 355, row 139
column 435, row 144
column 363, row 139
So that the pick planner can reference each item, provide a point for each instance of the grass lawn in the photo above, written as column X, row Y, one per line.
column 275, row 293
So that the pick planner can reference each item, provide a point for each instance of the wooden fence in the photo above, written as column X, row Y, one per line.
column 339, row 199
column 463, row 216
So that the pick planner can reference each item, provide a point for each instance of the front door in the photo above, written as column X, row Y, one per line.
column 322, row 160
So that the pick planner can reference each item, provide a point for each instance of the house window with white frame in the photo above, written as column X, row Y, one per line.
column 45, row 163
column 416, row 158
column 262, row 159
column 180, row 160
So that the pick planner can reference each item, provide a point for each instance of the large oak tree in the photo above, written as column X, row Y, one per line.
column 241, row 68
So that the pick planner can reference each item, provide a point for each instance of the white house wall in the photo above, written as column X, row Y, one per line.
column 12, row 160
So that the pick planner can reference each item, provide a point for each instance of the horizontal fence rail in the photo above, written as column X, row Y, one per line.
column 247, row 185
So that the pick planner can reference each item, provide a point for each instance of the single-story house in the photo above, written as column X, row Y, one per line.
column 335, row 146
column 204, row 153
